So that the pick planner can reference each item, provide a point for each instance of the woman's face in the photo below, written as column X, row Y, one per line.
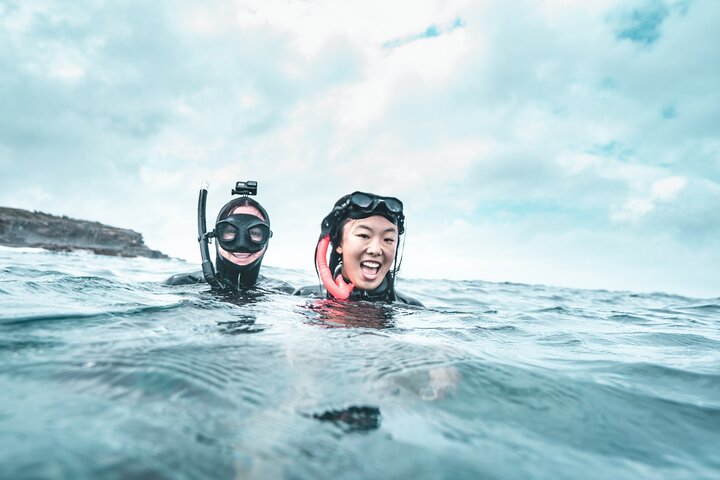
column 240, row 258
column 368, row 250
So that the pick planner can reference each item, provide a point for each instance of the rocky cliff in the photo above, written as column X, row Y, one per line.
column 21, row 228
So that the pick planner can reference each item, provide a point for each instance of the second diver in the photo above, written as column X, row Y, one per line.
column 242, row 232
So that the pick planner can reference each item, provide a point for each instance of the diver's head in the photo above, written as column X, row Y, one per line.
column 367, row 250
column 364, row 230
column 243, row 231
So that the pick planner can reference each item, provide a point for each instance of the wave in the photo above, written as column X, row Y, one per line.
column 106, row 373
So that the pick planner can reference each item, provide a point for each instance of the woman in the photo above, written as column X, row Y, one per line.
column 364, row 231
column 242, row 232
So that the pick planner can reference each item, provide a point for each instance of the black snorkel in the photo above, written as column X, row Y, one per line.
column 204, row 238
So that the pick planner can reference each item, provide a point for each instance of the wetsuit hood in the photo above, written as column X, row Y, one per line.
column 231, row 274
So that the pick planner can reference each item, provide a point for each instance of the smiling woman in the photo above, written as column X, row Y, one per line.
column 364, row 231
column 368, row 249
column 242, row 234
column 242, row 231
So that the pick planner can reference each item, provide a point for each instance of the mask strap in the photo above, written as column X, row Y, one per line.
column 337, row 288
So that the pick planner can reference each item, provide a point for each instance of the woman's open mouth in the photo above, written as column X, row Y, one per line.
column 370, row 269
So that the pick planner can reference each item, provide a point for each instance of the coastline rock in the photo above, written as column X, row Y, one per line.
column 22, row 228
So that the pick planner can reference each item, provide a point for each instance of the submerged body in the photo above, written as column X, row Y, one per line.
column 380, row 294
column 261, row 282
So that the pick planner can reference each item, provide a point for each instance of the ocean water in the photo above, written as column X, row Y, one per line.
column 107, row 373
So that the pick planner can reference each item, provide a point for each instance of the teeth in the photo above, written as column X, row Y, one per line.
column 371, row 264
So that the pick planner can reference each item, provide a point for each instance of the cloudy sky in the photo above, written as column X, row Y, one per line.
column 561, row 142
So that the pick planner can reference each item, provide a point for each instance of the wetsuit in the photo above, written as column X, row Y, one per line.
column 234, row 277
column 383, row 293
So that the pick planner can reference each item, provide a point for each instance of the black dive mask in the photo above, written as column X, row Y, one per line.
column 362, row 205
column 370, row 203
column 242, row 233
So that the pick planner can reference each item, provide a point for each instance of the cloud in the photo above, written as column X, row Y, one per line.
column 557, row 136
column 667, row 189
column 662, row 190
column 587, row 257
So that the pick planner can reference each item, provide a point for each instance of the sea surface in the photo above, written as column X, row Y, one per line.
column 107, row 373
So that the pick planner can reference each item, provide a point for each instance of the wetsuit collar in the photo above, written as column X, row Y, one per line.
column 236, row 277
column 382, row 293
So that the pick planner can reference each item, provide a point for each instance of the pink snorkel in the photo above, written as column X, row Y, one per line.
column 337, row 288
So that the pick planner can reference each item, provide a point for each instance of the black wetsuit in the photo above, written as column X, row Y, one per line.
column 264, row 283
column 233, row 277
column 383, row 293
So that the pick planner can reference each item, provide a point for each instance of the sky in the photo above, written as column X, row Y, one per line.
column 556, row 142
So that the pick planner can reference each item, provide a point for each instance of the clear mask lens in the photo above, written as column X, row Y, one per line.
column 227, row 232
column 257, row 235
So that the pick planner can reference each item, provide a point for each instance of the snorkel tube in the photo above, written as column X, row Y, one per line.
column 337, row 288
column 203, row 238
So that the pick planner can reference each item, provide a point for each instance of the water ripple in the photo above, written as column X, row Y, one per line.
column 107, row 373
column 88, row 317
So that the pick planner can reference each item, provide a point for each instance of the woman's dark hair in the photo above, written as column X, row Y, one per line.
column 227, row 210
column 336, row 239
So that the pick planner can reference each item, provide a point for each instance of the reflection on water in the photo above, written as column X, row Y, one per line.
column 333, row 314
column 352, row 419
column 107, row 373
column 245, row 320
column 246, row 324
column 240, row 298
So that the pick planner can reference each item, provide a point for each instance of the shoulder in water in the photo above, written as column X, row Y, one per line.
column 262, row 283
column 362, row 234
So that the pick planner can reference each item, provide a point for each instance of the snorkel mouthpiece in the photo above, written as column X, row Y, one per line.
column 337, row 288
